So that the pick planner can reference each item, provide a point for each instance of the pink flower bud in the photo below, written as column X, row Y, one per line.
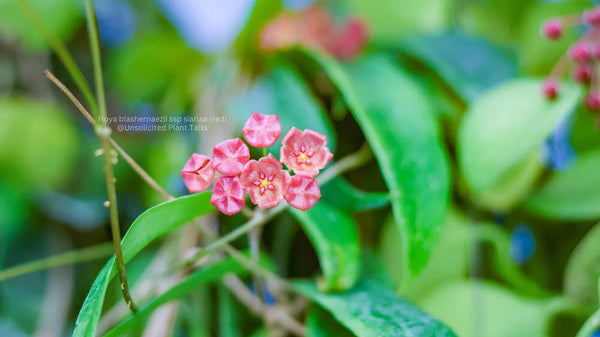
column 550, row 88
column 265, row 181
column 592, row 101
column 591, row 17
column 351, row 39
column 580, row 52
column 305, row 152
column 262, row 130
column 228, row 195
column 582, row 73
column 302, row 192
column 230, row 156
column 197, row 173
column 552, row 29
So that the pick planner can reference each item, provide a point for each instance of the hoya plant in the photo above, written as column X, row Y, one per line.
column 299, row 168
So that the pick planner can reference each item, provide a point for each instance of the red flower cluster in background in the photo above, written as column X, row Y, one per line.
column 315, row 28
column 267, row 183
column 584, row 54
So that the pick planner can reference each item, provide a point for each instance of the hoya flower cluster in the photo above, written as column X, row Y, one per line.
column 584, row 54
column 304, row 153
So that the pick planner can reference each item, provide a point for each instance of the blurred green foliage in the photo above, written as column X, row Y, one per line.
column 419, row 241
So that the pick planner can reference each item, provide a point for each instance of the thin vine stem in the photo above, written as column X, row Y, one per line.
column 59, row 48
column 104, row 131
column 62, row 259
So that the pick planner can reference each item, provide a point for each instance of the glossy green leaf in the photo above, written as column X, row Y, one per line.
column 153, row 223
column 481, row 309
column 282, row 92
column 583, row 269
column 398, row 121
column 61, row 16
column 33, row 134
column 320, row 323
column 209, row 274
column 505, row 126
column 334, row 234
column 343, row 196
column 463, row 61
column 370, row 309
column 572, row 194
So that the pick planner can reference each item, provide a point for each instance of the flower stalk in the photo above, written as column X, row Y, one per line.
column 103, row 131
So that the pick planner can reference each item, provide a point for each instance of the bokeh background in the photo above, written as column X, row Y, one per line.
column 529, row 243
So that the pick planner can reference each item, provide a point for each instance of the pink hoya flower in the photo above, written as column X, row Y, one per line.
column 305, row 151
column 302, row 192
column 230, row 156
column 197, row 173
column 265, row 181
column 228, row 195
column 262, row 130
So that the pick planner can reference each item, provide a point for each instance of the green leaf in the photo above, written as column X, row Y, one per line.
column 209, row 274
column 370, row 310
column 343, row 196
column 476, row 308
column 505, row 126
column 33, row 134
column 582, row 272
column 153, row 223
column 334, row 234
column 283, row 92
column 61, row 16
column 463, row 61
column 572, row 194
column 398, row 121
column 449, row 256
column 320, row 323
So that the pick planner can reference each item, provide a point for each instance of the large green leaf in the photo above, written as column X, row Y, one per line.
column 153, row 223
column 397, row 120
column 208, row 274
column 572, row 194
column 320, row 323
column 341, row 195
column 505, row 126
column 583, row 269
column 334, row 234
column 481, row 309
column 463, row 61
column 282, row 92
column 370, row 309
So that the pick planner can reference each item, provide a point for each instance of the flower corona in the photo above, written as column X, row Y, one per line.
column 265, row 180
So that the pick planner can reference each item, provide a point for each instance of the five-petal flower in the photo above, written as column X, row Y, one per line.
column 262, row 130
column 228, row 195
column 197, row 173
column 305, row 152
column 302, row 192
column 265, row 181
column 230, row 156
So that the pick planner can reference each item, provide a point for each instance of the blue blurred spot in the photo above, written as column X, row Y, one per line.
column 297, row 5
column 208, row 25
column 557, row 150
column 116, row 21
column 595, row 333
column 522, row 244
column 267, row 296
